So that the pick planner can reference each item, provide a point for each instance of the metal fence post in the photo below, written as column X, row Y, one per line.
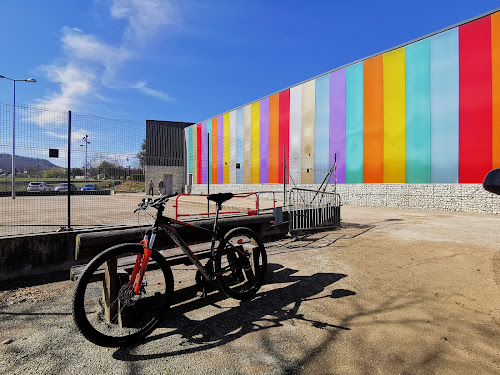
column 69, row 170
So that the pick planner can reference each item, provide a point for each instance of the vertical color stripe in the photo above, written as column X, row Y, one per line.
column 284, row 134
column 255, row 142
column 444, row 107
column 215, row 142
column 373, row 103
column 195, row 154
column 247, row 154
column 308, row 103
column 475, row 146
column 226, row 148
column 274, row 139
column 294, row 162
column 337, row 123
column 232, row 147
column 240, row 145
column 264, row 141
column 354, row 124
column 418, row 112
column 190, row 150
column 198, row 148
column 394, row 117
column 495, row 59
column 203, row 152
column 321, row 129
column 209, row 151
column 220, row 149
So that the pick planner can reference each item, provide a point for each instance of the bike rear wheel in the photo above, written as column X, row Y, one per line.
column 240, row 263
column 105, row 311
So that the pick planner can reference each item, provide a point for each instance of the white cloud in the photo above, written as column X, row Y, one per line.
column 75, row 82
column 76, row 135
column 145, row 17
column 141, row 86
column 87, row 47
column 90, row 64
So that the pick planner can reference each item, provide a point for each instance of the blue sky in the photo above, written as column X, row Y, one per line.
column 190, row 60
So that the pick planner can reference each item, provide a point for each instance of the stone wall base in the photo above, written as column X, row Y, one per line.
column 441, row 197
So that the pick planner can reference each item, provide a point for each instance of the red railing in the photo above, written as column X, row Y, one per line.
column 249, row 212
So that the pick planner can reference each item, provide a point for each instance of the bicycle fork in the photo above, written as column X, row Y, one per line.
column 141, row 263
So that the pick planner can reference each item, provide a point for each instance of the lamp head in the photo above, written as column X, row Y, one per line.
column 31, row 80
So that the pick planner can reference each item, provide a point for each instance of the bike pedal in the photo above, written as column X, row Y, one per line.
column 201, row 293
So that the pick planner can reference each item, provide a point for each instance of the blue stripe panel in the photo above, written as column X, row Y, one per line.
column 321, row 128
column 209, row 144
column 239, row 145
column 354, row 119
column 418, row 112
column 190, row 143
column 444, row 107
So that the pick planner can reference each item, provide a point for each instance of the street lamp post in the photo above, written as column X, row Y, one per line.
column 86, row 139
column 13, row 171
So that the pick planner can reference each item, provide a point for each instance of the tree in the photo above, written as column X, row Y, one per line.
column 141, row 155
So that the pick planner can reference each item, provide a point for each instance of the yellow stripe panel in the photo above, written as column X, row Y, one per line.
column 247, row 144
column 226, row 148
column 308, row 111
column 255, row 142
column 394, row 117
column 195, row 156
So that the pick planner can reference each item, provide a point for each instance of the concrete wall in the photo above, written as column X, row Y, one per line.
column 36, row 254
column 156, row 173
column 442, row 197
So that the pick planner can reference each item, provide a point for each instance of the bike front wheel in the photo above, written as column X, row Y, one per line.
column 240, row 263
column 105, row 309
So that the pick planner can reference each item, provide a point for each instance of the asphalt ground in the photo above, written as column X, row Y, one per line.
column 391, row 292
column 30, row 214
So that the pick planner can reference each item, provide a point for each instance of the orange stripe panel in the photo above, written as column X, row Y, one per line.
column 274, row 138
column 495, row 52
column 373, row 159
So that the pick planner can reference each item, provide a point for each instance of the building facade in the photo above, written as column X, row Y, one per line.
column 165, row 156
column 427, row 112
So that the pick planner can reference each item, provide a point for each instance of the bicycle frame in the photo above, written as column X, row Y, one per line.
column 165, row 223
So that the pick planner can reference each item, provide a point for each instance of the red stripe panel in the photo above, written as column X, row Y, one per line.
column 284, row 132
column 198, row 146
column 475, row 75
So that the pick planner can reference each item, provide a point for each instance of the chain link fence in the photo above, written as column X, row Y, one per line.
column 103, row 158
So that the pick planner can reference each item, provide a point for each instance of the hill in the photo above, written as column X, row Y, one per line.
column 23, row 163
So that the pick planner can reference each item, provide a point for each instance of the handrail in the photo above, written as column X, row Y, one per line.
column 237, row 195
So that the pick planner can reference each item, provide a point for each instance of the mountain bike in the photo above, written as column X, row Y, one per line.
column 125, row 291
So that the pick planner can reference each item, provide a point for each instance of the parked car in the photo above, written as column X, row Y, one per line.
column 64, row 187
column 38, row 186
column 89, row 187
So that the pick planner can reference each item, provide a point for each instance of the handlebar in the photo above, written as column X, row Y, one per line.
column 155, row 203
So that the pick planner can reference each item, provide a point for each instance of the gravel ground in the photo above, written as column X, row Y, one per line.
column 393, row 291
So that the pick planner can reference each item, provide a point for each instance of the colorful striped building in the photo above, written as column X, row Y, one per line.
column 425, row 112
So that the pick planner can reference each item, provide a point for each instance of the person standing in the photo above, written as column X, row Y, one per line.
column 151, row 188
column 160, row 187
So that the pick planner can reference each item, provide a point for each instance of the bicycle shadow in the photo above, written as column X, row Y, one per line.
column 268, row 309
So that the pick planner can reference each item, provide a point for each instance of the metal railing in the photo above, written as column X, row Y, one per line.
column 312, row 209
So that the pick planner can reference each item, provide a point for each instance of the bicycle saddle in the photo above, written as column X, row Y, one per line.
column 220, row 198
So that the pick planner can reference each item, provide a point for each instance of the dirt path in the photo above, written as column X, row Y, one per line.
column 394, row 291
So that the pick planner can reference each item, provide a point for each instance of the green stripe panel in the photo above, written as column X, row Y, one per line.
column 418, row 112
column 354, row 124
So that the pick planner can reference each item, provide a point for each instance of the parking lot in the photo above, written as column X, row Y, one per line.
column 49, row 213
column 393, row 291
